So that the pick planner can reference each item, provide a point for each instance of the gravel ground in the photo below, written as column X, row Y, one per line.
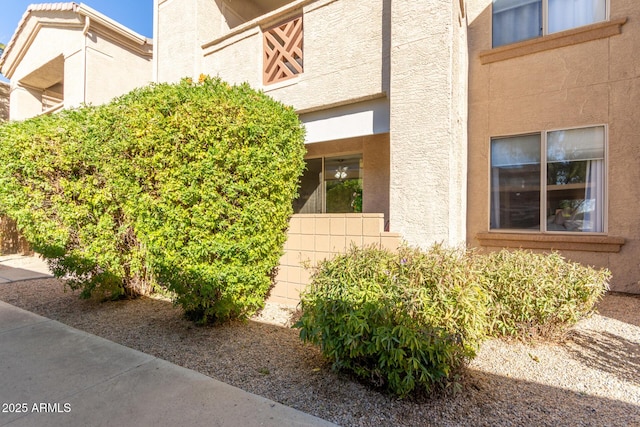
column 592, row 378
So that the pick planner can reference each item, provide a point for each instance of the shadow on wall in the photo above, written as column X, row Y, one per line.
column 11, row 242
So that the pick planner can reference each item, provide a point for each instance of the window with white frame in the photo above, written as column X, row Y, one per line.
column 516, row 20
column 549, row 181
column 331, row 185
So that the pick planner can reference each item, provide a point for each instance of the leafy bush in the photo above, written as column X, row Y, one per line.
column 537, row 294
column 405, row 320
column 54, row 184
column 189, row 185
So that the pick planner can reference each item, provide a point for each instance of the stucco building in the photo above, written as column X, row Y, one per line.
column 67, row 54
column 4, row 101
column 504, row 123
column 554, row 129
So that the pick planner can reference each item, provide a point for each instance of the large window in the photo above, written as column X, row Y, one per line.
column 516, row 20
column 549, row 181
column 331, row 185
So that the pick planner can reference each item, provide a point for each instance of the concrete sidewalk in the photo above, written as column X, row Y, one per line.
column 55, row 375
column 20, row 267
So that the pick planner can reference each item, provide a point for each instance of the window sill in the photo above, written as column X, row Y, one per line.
column 587, row 33
column 563, row 242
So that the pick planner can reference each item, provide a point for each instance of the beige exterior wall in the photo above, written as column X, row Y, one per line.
column 113, row 69
column 180, row 30
column 313, row 238
column 428, row 114
column 4, row 101
column 581, row 84
column 343, row 54
column 363, row 62
column 52, row 47
column 446, row 94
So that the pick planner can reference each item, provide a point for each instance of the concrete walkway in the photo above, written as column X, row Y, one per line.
column 55, row 375
column 19, row 267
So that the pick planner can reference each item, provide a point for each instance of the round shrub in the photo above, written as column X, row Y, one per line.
column 537, row 295
column 215, row 169
column 186, row 185
column 404, row 321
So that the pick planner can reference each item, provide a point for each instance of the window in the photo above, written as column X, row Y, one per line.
column 516, row 20
column 331, row 185
column 557, row 173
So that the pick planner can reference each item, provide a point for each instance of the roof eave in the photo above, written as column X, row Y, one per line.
column 7, row 67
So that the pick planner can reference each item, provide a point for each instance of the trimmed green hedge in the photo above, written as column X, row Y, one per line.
column 537, row 295
column 403, row 321
column 188, row 186
column 410, row 320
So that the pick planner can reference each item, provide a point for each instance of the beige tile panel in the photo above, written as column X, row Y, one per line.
column 338, row 225
column 334, row 234
column 338, row 243
column 295, row 224
column 372, row 226
column 323, row 226
column 323, row 243
column 307, row 224
column 354, row 226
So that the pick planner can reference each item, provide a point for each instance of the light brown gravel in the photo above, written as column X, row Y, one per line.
column 591, row 379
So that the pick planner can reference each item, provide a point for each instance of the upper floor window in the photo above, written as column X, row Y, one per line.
column 516, row 20
column 549, row 181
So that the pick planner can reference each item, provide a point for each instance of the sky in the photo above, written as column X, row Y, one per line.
column 135, row 14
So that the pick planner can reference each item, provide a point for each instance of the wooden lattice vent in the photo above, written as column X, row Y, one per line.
column 283, row 51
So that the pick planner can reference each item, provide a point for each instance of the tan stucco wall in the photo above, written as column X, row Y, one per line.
column 428, row 111
column 182, row 26
column 96, row 67
column 112, row 70
column 4, row 101
column 590, row 83
column 26, row 102
column 347, row 58
column 343, row 55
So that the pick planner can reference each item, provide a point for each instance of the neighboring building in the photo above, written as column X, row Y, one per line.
column 554, row 130
column 66, row 54
column 63, row 55
column 4, row 101
column 479, row 122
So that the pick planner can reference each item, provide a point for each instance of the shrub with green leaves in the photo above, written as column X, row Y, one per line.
column 404, row 321
column 189, row 185
column 54, row 183
column 537, row 295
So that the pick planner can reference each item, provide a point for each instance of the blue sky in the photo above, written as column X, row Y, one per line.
column 135, row 14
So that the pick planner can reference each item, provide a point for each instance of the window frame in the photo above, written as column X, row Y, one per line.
column 545, row 23
column 323, row 185
column 543, row 184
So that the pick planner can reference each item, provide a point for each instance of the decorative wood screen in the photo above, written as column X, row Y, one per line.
column 283, row 51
